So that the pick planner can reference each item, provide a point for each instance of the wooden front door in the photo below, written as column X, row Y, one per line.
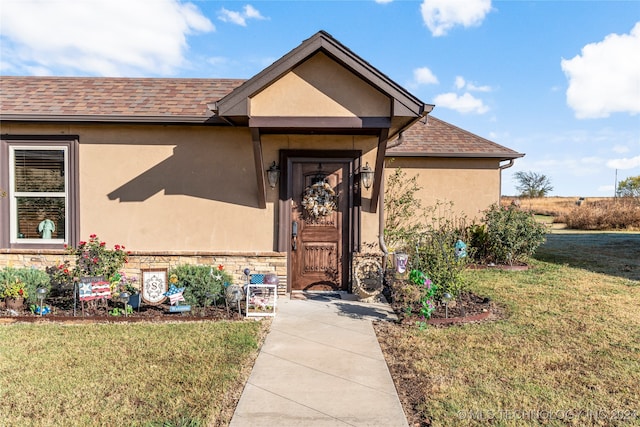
column 319, row 246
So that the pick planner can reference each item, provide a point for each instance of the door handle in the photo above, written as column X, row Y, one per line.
column 294, row 235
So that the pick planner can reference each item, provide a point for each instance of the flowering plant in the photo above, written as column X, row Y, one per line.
column 428, row 290
column 15, row 290
column 120, row 282
column 61, row 274
column 94, row 259
column 319, row 199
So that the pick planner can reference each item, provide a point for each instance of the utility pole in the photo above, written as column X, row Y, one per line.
column 615, row 186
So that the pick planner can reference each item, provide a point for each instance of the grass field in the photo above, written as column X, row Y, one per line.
column 153, row 374
column 552, row 206
column 567, row 351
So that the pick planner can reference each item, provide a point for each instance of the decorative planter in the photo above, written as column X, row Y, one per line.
column 134, row 300
column 14, row 303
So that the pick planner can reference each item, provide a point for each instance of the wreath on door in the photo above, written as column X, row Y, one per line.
column 319, row 199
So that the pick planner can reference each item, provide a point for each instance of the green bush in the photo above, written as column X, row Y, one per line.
column 200, row 280
column 512, row 234
column 32, row 279
column 433, row 252
column 428, row 235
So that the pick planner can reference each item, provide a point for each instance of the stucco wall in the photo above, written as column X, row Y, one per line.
column 184, row 188
column 319, row 87
column 472, row 185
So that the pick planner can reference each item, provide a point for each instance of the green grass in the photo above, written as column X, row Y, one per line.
column 124, row 374
column 569, row 346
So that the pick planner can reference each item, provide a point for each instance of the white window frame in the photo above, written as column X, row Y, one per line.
column 13, row 195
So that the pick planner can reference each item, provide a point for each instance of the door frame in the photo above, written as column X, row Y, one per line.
column 352, row 217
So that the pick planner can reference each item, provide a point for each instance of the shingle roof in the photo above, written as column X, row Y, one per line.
column 437, row 138
column 65, row 98
column 89, row 96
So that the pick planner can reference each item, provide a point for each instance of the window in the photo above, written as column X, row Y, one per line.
column 40, row 193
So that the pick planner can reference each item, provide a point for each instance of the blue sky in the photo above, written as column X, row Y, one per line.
column 556, row 80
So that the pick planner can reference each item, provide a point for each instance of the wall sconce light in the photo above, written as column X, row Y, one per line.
column 366, row 176
column 273, row 174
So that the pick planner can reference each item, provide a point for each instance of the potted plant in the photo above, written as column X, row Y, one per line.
column 120, row 282
column 14, row 294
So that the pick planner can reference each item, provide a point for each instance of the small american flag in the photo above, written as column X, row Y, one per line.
column 95, row 290
column 174, row 294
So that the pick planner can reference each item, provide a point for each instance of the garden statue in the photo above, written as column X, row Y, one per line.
column 461, row 249
column 46, row 227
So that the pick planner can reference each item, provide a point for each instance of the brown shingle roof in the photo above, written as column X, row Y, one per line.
column 99, row 97
column 438, row 138
column 94, row 98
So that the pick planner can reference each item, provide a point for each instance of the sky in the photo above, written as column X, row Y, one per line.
column 556, row 80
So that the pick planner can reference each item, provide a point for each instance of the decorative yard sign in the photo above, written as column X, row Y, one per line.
column 93, row 290
column 154, row 286
column 175, row 296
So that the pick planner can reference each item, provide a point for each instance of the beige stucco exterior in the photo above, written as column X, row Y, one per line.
column 184, row 188
column 320, row 88
column 469, row 185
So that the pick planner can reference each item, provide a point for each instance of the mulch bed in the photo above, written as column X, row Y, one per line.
column 147, row 313
column 467, row 308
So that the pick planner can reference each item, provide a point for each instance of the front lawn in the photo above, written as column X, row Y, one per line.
column 567, row 352
column 142, row 374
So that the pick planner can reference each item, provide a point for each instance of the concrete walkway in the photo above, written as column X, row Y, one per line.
column 321, row 365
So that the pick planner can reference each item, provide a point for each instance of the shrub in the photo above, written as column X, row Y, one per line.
column 31, row 279
column 427, row 235
column 94, row 259
column 619, row 214
column 200, row 281
column 401, row 206
column 512, row 234
column 433, row 251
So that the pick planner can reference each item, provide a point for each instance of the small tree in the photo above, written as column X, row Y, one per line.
column 532, row 184
column 402, row 209
column 629, row 187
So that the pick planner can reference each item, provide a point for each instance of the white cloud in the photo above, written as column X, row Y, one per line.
column 102, row 37
column 624, row 163
column 466, row 103
column 605, row 77
column 424, row 76
column 240, row 18
column 620, row 149
column 442, row 15
column 461, row 83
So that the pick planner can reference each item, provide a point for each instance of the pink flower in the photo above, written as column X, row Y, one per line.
column 116, row 247
column 102, row 243
column 93, row 236
column 82, row 243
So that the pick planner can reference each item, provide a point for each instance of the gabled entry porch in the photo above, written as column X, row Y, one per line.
column 322, row 113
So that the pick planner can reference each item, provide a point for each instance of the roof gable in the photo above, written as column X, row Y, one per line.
column 405, row 107
column 320, row 87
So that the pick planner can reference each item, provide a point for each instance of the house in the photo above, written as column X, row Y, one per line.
column 264, row 173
